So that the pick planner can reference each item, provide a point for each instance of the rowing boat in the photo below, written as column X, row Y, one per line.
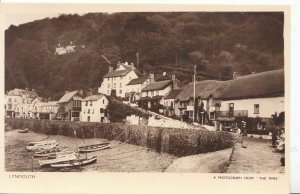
column 47, row 152
column 62, row 158
column 74, row 163
column 41, row 145
column 23, row 130
column 94, row 147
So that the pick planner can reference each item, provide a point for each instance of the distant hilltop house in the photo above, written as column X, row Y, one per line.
column 115, row 82
column 60, row 50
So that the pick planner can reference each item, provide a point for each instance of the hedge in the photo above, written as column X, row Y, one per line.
column 178, row 142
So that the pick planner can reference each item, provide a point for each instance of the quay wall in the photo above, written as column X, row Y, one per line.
column 178, row 142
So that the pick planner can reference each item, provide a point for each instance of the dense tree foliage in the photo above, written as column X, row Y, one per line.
column 218, row 43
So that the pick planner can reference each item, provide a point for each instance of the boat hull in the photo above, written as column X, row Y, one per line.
column 93, row 148
column 75, row 163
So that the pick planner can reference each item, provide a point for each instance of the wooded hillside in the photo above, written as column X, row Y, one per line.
column 219, row 43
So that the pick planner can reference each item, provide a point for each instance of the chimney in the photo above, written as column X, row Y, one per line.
column 81, row 93
column 175, row 82
column 152, row 80
column 110, row 68
column 132, row 65
column 126, row 63
column 236, row 75
column 118, row 64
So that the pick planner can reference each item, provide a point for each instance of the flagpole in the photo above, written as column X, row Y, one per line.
column 194, row 93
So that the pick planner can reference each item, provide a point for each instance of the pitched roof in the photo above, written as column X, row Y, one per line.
column 67, row 97
column 203, row 90
column 117, row 73
column 51, row 103
column 139, row 80
column 93, row 97
column 265, row 84
column 157, row 85
column 172, row 94
column 19, row 92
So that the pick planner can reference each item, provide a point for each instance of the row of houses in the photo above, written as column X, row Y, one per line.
column 73, row 106
column 221, row 103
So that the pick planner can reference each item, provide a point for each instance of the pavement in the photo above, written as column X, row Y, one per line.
column 256, row 156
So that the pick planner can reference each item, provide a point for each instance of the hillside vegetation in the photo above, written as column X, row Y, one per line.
column 219, row 43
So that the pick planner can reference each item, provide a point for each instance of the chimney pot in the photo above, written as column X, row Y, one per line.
column 152, row 78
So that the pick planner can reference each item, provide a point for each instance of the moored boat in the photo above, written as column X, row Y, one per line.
column 74, row 163
column 42, row 145
column 94, row 147
column 23, row 130
column 62, row 158
column 47, row 152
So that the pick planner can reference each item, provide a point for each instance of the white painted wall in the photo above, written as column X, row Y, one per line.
column 118, row 83
column 94, row 110
column 267, row 106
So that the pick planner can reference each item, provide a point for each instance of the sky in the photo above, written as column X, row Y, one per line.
column 17, row 19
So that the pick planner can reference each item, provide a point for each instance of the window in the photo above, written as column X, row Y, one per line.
column 91, row 103
column 108, row 85
column 120, row 85
column 103, row 101
column 101, row 110
column 86, row 103
column 77, row 103
column 157, row 92
column 256, row 108
column 93, row 111
column 152, row 93
column 15, row 100
column 120, row 91
column 9, row 99
column 114, row 85
column 121, row 77
column 88, row 111
column 23, row 101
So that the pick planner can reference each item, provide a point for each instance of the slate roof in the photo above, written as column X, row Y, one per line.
column 19, row 92
column 117, row 73
column 139, row 80
column 265, row 84
column 203, row 90
column 157, row 85
column 68, row 96
column 173, row 94
column 93, row 97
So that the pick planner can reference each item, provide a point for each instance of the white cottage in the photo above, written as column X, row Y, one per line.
column 115, row 81
column 94, row 109
column 257, row 95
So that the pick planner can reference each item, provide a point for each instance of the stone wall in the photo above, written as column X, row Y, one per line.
column 179, row 142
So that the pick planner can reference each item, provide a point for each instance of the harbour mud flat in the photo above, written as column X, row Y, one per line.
column 121, row 157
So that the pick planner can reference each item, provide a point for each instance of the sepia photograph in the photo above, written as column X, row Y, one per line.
column 202, row 92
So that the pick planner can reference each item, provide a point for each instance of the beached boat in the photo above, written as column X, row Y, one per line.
column 41, row 145
column 94, row 147
column 23, row 130
column 74, row 163
column 47, row 152
column 62, row 158
column 61, row 154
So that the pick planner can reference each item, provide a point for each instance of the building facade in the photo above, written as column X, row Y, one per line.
column 94, row 109
column 115, row 81
column 18, row 103
column 70, row 106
